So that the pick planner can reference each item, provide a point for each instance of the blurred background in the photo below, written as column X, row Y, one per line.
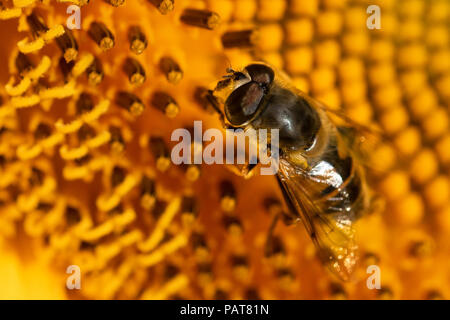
column 86, row 117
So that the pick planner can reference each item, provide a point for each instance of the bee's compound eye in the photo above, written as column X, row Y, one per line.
column 261, row 74
column 243, row 103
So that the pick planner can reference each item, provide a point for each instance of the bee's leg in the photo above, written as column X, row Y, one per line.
column 269, row 240
column 288, row 219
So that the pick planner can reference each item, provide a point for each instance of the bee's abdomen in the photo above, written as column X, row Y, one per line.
column 347, row 196
column 346, row 200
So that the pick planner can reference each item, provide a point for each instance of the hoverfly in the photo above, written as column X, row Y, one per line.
column 322, row 182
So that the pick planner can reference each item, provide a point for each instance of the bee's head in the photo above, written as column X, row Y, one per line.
column 242, row 93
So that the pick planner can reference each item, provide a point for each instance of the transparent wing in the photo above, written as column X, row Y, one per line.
column 332, row 233
column 357, row 139
column 340, row 119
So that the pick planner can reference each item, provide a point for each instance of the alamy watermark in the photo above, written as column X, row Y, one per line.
column 262, row 147
column 74, row 20
column 374, row 280
column 374, row 20
column 74, row 280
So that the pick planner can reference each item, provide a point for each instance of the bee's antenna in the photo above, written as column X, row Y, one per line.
column 230, row 67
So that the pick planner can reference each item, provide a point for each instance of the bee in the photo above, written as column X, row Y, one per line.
column 322, row 181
